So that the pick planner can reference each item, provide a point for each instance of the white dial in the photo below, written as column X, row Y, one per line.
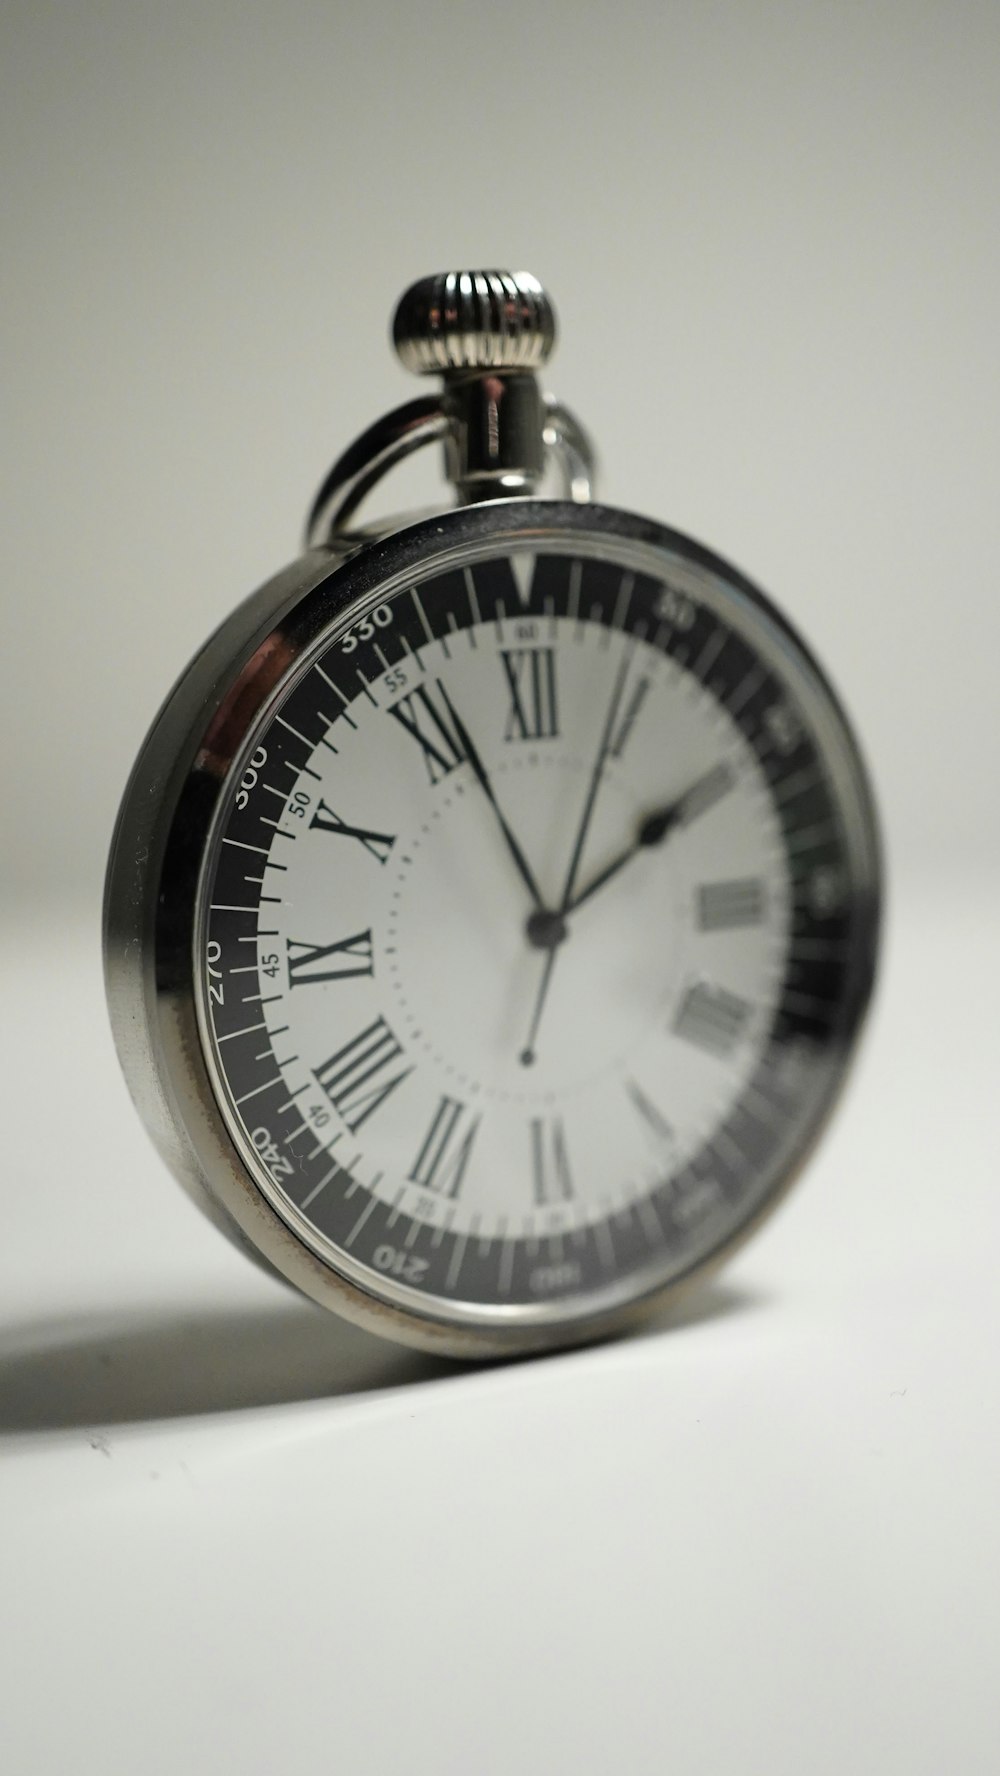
column 630, row 1067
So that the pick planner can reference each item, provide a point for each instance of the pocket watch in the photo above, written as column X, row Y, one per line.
column 492, row 909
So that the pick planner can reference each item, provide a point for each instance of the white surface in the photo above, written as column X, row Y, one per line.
column 762, row 1540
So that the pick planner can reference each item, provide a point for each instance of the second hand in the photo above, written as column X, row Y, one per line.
column 551, row 935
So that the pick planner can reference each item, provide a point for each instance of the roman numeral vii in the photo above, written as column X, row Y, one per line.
column 440, row 1164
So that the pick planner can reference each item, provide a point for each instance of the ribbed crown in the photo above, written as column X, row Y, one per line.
column 474, row 320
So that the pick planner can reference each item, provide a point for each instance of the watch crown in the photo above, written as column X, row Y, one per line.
column 457, row 321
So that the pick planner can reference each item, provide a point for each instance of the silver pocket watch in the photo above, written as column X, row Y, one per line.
column 493, row 906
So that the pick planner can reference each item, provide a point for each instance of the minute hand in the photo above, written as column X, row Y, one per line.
column 482, row 777
column 655, row 827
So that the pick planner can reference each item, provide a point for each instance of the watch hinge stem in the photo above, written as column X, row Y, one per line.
column 495, row 445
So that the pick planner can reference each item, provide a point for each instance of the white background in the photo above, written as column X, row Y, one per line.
column 763, row 1540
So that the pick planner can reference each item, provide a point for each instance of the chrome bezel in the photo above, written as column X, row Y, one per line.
column 162, row 854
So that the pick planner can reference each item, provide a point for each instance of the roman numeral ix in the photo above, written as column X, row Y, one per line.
column 440, row 1164
column 531, row 681
column 360, row 1076
column 327, row 962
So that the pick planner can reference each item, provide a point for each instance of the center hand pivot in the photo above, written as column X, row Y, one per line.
column 545, row 930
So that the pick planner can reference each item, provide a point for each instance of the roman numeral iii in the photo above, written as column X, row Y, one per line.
column 440, row 1164
column 360, row 1076
column 722, row 906
column 428, row 717
column 712, row 1018
column 531, row 681
column 327, row 962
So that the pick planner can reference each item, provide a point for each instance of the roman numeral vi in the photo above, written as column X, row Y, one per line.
column 553, row 1181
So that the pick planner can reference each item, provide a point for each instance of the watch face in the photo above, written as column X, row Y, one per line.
column 536, row 921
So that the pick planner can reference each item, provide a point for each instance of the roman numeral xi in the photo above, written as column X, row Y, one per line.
column 427, row 716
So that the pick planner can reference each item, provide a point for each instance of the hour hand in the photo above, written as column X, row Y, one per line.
column 655, row 826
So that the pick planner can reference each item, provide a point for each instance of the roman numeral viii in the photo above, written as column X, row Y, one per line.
column 551, row 1175
column 429, row 718
column 379, row 844
column 531, row 681
column 360, row 1076
column 440, row 1164
column 327, row 962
